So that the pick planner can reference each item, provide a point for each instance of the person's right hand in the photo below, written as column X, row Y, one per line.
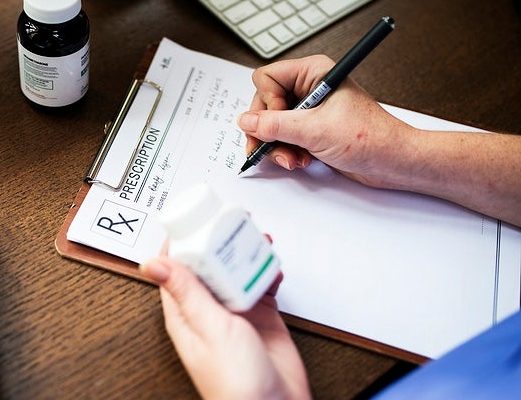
column 349, row 131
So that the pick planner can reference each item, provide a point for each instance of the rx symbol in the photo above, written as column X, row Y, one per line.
column 109, row 224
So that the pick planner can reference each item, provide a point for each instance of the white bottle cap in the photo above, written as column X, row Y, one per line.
column 190, row 210
column 52, row 11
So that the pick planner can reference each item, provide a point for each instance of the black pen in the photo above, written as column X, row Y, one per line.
column 331, row 81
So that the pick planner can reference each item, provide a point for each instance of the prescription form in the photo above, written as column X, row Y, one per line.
column 406, row 270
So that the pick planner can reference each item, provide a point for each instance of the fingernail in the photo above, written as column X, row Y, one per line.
column 155, row 271
column 248, row 121
column 282, row 162
column 303, row 162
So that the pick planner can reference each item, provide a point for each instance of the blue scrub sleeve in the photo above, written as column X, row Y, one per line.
column 486, row 367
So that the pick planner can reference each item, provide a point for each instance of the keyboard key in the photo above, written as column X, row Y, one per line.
column 222, row 4
column 262, row 4
column 313, row 16
column 240, row 12
column 263, row 24
column 296, row 25
column 281, row 33
column 259, row 23
column 299, row 4
column 333, row 7
column 266, row 42
column 283, row 9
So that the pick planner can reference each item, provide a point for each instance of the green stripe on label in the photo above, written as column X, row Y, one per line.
column 259, row 273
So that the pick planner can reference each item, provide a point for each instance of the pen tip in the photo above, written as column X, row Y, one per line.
column 240, row 172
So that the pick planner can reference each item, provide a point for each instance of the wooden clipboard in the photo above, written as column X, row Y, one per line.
column 100, row 259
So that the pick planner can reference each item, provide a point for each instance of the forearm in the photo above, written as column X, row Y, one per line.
column 481, row 171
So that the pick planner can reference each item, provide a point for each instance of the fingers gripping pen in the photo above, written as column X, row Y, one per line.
column 331, row 81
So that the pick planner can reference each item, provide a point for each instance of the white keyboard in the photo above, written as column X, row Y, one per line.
column 271, row 26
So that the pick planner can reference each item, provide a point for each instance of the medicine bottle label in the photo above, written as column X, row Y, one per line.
column 54, row 81
column 246, row 254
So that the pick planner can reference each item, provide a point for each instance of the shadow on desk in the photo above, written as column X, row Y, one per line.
column 396, row 372
column 517, row 5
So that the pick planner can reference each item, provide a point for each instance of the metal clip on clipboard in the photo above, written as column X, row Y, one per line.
column 112, row 129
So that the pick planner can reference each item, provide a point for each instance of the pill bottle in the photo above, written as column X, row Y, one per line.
column 53, row 51
column 222, row 246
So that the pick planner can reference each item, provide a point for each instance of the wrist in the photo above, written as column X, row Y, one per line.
column 391, row 155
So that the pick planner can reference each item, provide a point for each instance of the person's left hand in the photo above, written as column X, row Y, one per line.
column 228, row 356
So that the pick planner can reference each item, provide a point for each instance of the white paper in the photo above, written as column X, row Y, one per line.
column 407, row 270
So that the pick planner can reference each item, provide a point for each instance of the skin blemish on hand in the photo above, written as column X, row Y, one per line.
column 361, row 135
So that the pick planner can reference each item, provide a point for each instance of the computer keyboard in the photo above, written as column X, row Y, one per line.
column 272, row 26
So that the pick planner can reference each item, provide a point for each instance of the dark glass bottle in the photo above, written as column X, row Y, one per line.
column 53, row 48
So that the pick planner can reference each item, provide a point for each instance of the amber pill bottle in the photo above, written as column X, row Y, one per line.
column 53, row 51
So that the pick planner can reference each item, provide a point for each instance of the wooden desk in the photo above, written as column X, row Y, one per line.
column 72, row 331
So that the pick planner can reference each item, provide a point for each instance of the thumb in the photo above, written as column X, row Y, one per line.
column 194, row 304
column 298, row 127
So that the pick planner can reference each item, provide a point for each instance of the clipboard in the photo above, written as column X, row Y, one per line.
column 86, row 254
column 97, row 258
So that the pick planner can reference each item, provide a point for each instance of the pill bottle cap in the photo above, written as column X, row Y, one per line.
column 52, row 11
column 190, row 210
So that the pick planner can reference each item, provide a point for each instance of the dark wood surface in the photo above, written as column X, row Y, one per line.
column 72, row 331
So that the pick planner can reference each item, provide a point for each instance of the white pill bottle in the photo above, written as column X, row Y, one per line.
column 221, row 245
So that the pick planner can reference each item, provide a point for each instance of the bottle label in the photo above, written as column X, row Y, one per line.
column 245, row 253
column 54, row 81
